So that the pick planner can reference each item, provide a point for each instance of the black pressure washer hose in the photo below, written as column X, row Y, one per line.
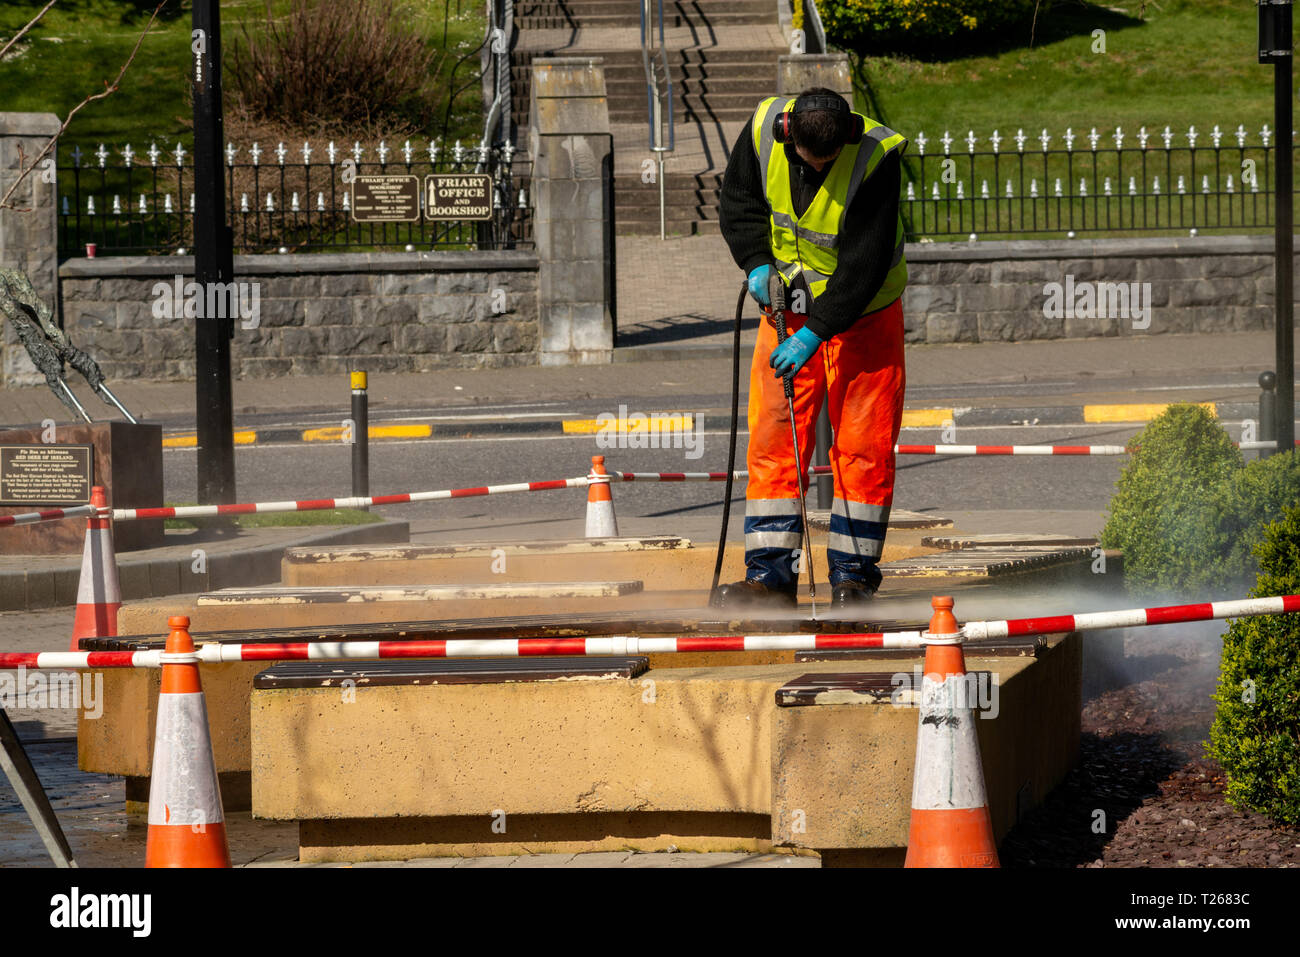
column 731, row 448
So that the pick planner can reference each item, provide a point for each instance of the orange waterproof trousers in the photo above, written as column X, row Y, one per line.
column 860, row 372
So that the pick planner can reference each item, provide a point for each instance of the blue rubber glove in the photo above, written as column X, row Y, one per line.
column 791, row 355
column 758, row 284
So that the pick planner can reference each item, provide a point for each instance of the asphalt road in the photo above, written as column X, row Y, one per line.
column 275, row 472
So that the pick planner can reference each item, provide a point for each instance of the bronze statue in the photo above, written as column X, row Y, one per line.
column 48, row 345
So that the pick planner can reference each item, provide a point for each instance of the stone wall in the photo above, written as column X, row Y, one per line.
column 29, row 230
column 995, row 291
column 572, row 156
column 381, row 312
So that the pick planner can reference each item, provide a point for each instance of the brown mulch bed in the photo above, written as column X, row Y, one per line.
column 1142, row 764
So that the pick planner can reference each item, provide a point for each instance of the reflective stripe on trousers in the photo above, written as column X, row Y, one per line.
column 861, row 373
column 773, row 532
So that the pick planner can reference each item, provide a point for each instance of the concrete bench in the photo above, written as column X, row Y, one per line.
column 664, row 563
column 279, row 606
column 700, row 758
column 120, row 741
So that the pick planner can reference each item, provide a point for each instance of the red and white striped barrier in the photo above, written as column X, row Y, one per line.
column 1132, row 617
column 631, row 645
column 1010, row 450
column 601, row 646
column 48, row 515
column 310, row 505
column 406, row 498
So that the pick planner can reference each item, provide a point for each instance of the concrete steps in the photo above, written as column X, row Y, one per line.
column 558, row 14
column 722, row 57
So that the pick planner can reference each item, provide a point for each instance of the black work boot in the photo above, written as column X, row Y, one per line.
column 752, row 594
column 848, row 595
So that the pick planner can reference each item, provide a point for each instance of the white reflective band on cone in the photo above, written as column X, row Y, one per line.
column 94, row 588
column 183, row 790
column 948, row 773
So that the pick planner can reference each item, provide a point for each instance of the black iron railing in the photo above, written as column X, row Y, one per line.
column 1093, row 182
column 280, row 199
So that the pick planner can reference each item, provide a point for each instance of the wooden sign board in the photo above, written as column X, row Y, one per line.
column 458, row 196
column 386, row 199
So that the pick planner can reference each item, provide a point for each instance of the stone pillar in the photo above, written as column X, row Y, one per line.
column 794, row 74
column 29, row 234
column 572, row 157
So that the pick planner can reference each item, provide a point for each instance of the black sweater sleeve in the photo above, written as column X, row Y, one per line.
column 742, row 209
column 867, row 242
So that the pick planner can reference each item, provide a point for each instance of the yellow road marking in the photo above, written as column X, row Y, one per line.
column 1133, row 412
column 925, row 418
column 650, row 422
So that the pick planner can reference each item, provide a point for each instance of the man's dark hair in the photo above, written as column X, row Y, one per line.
column 820, row 132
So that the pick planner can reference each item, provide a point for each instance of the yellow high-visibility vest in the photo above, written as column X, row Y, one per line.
column 809, row 244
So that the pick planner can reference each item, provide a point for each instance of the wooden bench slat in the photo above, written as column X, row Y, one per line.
column 329, row 674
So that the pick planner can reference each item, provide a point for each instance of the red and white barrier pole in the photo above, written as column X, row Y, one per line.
column 632, row 645
column 602, row 646
column 99, row 594
column 48, row 515
column 1010, row 450
column 310, row 505
column 1132, row 617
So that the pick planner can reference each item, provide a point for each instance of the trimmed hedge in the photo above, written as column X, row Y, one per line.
column 891, row 26
column 1163, row 502
column 1256, row 731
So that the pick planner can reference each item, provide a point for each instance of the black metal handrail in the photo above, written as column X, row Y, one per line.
column 655, row 66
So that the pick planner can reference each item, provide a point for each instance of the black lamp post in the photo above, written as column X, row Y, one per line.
column 213, row 263
column 1275, row 42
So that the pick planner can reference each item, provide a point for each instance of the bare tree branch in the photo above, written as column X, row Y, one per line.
column 109, row 89
column 19, row 35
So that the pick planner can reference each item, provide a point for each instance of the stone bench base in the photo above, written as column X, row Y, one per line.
column 700, row 758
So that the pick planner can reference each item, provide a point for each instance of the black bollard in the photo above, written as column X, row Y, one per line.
column 1267, row 411
column 360, row 437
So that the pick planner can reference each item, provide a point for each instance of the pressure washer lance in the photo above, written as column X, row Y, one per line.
column 776, row 295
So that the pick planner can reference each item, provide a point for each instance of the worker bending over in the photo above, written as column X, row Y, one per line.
column 811, row 190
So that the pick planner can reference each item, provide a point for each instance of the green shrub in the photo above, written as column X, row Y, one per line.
column 1239, row 513
column 1256, row 731
column 1163, row 502
column 893, row 26
column 329, row 65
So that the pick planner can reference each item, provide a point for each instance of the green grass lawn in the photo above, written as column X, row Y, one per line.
column 1187, row 62
column 80, row 44
column 334, row 516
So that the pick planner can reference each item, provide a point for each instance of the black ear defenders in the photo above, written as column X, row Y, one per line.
column 783, row 123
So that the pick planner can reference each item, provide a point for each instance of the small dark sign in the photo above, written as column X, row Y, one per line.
column 458, row 196
column 46, row 474
column 386, row 199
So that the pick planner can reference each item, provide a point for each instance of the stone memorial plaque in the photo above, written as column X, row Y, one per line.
column 46, row 474
column 386, row 199
column 458, row 196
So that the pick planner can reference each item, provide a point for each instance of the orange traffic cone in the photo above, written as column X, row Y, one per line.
column 187, row 827
column 600, row 504
column 98, row 594
column 951, row 826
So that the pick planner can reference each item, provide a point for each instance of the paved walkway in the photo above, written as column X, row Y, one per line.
column 90, row 811
column 958, row 371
